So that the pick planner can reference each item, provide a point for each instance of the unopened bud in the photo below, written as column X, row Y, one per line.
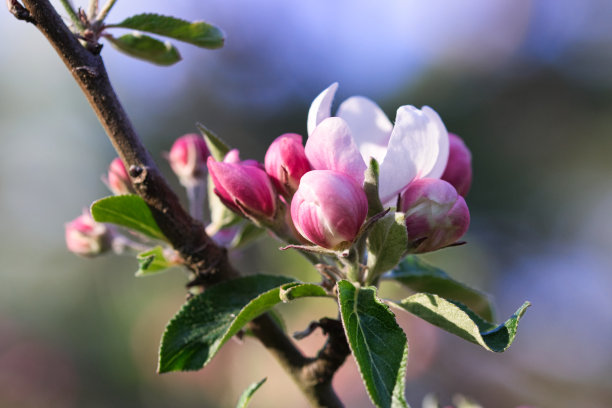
column 118, row 179
column 244, row 188
column 436, row 216
column 458, row 169
column 86, row 237
column 286, row 162
column 188, row 159
column 329, row 208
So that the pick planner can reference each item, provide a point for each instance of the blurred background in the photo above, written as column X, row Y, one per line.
column 527, row 84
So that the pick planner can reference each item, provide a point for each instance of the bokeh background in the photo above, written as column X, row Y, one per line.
column 527, row 84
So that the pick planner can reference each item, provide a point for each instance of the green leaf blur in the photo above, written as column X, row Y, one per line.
column 246, row 396
column 199, row 33
column 152, row 262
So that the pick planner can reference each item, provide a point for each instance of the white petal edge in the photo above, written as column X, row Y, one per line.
column 369, row 125
column 331, row 147
column 418, row 148
column 320, row 108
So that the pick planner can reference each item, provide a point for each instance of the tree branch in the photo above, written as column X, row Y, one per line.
column 202, row 256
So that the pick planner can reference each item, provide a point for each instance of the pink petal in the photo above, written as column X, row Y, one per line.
column 369, row 125
column 331, row 147
column 418, row 148
column 320, row 108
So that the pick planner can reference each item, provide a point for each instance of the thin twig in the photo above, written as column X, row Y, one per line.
column 106, row 9
column 208, row 261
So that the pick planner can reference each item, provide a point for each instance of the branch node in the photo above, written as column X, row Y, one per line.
column 20, row 12
column 90, row 71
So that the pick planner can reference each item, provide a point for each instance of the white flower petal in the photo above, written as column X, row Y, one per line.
column 320, row 108
column 418, row 148
column 369, row 125
column 331, row 147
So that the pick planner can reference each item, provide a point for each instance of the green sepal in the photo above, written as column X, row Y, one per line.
column 457, row 319
column 247, row 394
column 129, row 211
column 387, row 243
column 377, row 342
column 217, row 147
column 146, row 48
column 370, row 186
column 198, row 33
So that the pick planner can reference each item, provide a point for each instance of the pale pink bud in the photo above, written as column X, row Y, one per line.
column 86, row 237
column 286, row 162
column 118, row 179
column 329, row 208
column 244, row 188
column 436, row 216
column 458, row 169
column 188, row 159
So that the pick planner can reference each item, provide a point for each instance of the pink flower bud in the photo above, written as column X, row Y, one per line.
column 329, row 208
column 286, row 162
column 118, row 179
column 458, row 169
column 244, row 188
column 188, row 159
column 86, row 237
column 436, row 216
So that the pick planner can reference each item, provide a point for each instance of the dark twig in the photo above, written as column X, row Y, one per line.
column 20, row 12
column 208, row 262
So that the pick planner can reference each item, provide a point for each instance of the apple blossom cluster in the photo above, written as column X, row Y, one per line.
column 325, row 196
column 423, row 172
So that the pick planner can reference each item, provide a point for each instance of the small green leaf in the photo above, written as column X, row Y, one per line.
column 387, row 243
column 378, row 344
column 457, row 319
column 420, row 276
column 370, row 186
column 128, row 211
column 199, row 33
column 297, row 290
column 152, row 261
column 146, row 48
column 247, row 234
column 217, row 147
column 208, row 320
column 246, row 396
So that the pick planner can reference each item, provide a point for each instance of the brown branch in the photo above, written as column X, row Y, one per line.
column 208, row 261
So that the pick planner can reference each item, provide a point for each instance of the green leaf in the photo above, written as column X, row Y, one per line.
column 378, row 344
column 128, row 211
column 387, row 243
column 217, row 147
column 297, row 290
column 152, row 261
column 209, row 319
column 199, row 33
column 420, row 276
column 370, row 186
column 246, row 396
column 146, row 48
column 457, row 319
column 247, row 234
